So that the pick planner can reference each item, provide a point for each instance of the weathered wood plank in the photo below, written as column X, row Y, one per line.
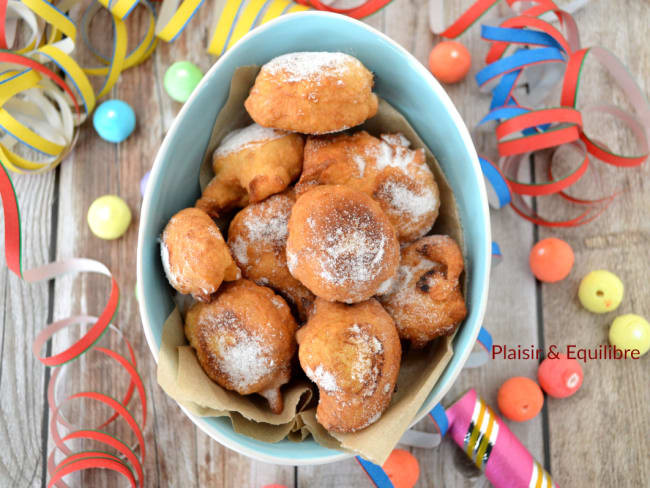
column 24, row 314
column 606, row 443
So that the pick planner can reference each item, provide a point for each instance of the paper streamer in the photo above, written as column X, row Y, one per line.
column 128, row 461
column 528, row 48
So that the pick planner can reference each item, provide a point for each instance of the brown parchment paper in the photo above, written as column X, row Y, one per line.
column 182, row 378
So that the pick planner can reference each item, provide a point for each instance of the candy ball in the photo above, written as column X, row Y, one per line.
column 630, row 331
column 551, row 260
column 560, row 377
column 114, row 120
column 449, row 61
column 402, row 468
column 143, row 182
column 181, row 79
column 109, row 217
column 600, row 291
column 520, row 399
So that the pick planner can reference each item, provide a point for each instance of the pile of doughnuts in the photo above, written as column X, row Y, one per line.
column 326, row 255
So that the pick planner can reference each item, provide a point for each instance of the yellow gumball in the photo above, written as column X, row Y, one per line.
column 109, row 217
column 600, row 291
column 630, row 331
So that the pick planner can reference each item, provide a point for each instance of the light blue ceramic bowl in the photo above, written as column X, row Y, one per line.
column 403, row 82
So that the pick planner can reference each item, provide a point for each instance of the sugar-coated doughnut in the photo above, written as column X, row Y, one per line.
column 257, row 238
column 249, row 165
column 312, row 93
column 397, row 177
column 244, row 340
column 426, row 300
column 194, row 255
column 341, row 245
column 352, row 353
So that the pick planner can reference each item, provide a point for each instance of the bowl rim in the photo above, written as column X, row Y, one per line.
column 156, row 168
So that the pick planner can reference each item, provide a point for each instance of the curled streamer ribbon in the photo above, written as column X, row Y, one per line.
column 128, row 462
column 528, row 46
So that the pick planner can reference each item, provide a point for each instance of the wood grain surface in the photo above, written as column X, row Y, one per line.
column 600, row 437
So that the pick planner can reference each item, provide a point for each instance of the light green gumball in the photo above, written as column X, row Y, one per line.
column 600, row 291
column 109, row 217
column 630, row 331
column 181, row 79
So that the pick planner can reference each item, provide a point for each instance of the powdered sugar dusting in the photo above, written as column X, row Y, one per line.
column 239, row 250
column 263, row 225
column 324, row 379
column 310, row 66
column 404, row 199
column 277, row 302
column 386, row 286
column 364, row 368
column 360, row 161
column 242, row 138
column 404, row 292
column 397, row 139
column 245, row 359
column 164, row 256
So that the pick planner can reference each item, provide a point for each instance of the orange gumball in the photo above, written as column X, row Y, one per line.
column 551, row 260
column 560, row 377
column 402, row 468
column 520, row 399
column 450, row 61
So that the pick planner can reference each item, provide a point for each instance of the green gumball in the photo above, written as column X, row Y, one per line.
column 181, row 79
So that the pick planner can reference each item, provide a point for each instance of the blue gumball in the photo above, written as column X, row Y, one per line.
column 114, row 120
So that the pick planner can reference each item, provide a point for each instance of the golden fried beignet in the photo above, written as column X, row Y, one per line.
column 352, row 353
column 426, row 301
column 195, row 257
column 244, row 340
column 257, row 238
column 341, row 245
column 249, row 165
column 397, row 177
column 312, row 93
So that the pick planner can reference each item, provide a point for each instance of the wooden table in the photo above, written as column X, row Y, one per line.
column 599, row 437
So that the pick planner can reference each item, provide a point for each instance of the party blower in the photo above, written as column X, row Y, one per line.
column 486, row 440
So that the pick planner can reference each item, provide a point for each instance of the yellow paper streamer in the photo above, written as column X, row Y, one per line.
column 31, row 119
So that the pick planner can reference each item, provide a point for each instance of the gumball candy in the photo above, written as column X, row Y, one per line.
column 449, row 61
column 181, row 79
column 520, row 399
column 551, row 260
column 600, row 291
column 560, row 377
column 402, row 468
column 109, row 217
column 143, row 182
column 114, row 120
column 630, row 331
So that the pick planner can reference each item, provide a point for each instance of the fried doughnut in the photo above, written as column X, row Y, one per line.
column 426, row 301
column 257, row 238
column 352, row 353
column 312, row 93
column 397, row 177
column 341, row 245
column 195, row 257
column 249, row 165
column 244, row 340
